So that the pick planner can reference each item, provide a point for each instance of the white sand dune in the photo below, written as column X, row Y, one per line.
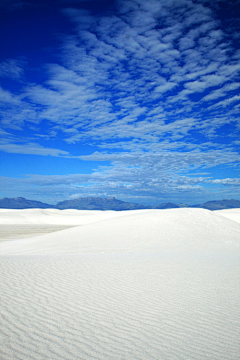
column 148, row 284
column 19, row 224
column 53, row 216
column 18, row 231
column 233, row 214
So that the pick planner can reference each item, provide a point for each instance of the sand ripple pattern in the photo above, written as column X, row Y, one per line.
column 124, row 306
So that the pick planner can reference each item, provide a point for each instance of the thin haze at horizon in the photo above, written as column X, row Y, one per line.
column 133, row 99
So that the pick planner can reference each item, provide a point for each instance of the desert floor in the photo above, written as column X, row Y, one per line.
column 143, row 284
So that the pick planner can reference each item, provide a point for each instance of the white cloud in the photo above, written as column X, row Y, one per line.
column 31, row 149
column 112, row 89
column 206, row 82
column 6, row 97
column 221, row 92
column 140, row 175
column 11, row 68
column 165, row 87
column 226, row 182
column 97, row 81
column 226, row 102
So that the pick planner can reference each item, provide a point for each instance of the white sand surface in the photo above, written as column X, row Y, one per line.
column 53, row 216
column 233, row 214
column 148, row 284
column 18, row 231
column 19, row 224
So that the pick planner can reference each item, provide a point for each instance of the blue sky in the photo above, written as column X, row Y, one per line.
column 132, row 98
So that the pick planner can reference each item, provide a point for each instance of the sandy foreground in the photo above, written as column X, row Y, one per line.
column 143, row 284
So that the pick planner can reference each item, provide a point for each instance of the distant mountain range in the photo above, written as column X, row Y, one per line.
column 22, row 203
column 219, row 204
column 97, row 203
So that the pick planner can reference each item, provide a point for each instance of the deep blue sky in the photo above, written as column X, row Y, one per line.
column 132, row 98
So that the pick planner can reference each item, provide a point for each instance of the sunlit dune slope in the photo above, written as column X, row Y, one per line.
column 147, row 230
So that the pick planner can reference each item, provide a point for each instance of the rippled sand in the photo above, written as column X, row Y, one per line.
column 154, row 284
